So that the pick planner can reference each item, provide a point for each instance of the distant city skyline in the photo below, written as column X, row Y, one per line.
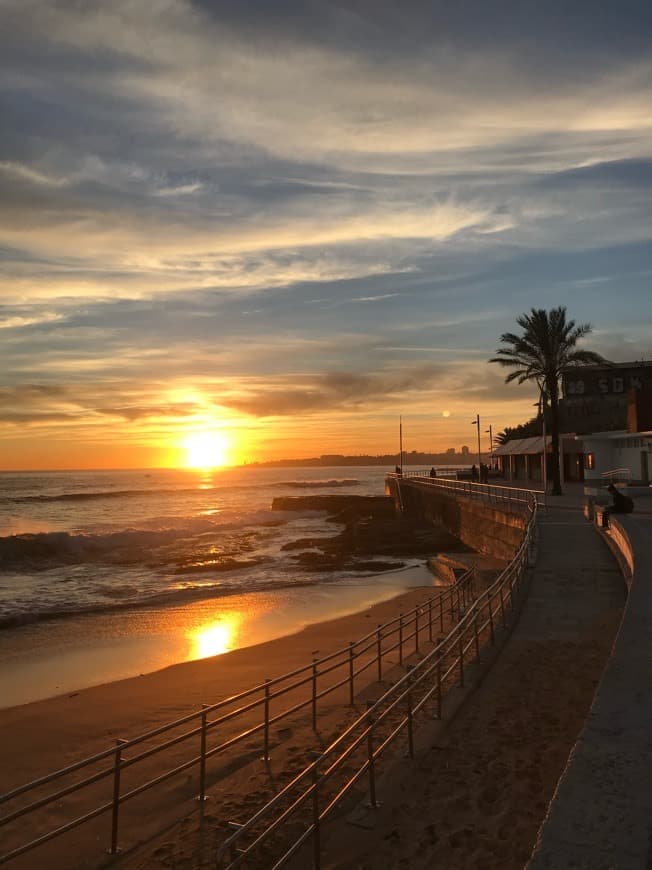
column 234, row 232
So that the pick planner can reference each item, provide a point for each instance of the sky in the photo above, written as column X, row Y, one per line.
column 284, row 224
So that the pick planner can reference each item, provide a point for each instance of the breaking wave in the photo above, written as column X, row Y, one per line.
column 318, row 484
column 159, row 547
column 154, row 491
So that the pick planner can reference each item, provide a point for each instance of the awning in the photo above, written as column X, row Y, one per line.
column 522, row 446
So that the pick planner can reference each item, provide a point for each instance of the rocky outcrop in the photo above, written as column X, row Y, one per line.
column 372, row 533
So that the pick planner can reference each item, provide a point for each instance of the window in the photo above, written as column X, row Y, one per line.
column 589, row 461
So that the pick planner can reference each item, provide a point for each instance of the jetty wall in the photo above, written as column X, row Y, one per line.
column 495, row 529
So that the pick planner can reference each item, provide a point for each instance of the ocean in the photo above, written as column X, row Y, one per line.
column 78, row 542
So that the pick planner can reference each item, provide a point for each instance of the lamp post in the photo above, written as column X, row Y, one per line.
column 476, row 422
column 491, row 444
column 544, row 453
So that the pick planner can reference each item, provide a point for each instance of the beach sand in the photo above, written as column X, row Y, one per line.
column 473, row 799
column 39, row 737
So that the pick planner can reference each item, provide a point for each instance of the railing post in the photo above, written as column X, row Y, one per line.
column 351, row 692
column 410, row 668
column 461, row 653
column 202, row 757
column 475, row 636
column 439, row 688
column 314, row 690
column 233, row 849
column 379, row 650
column 502, row 607
column 416, row 630
column 491, row 622
column 430, row 619
column 316, row 837
column 441, row 612
column 117, row 767
column 266, row 728
column 400, row 639
column 370, row 759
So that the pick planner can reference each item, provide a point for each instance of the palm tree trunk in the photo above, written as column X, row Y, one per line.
column 553, row 392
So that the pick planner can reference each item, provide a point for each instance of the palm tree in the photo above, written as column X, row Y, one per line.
column 546, row 347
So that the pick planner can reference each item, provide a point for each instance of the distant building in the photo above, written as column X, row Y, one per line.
column 623, row 450
column 522, row 458
column 465, row 450
column 450, row 451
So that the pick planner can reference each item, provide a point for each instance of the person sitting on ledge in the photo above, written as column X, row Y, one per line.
column 433, row 473
column 622, row 504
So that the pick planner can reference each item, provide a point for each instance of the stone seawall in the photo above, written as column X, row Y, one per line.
column 493, row 529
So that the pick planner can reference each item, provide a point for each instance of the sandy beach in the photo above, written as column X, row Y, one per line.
column 486, row 781
column 42, row 736
column 53, row 657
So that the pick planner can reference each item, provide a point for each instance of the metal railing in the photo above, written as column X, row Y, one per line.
column 621, row 474
column 256, row 709
column 295, row 815
column 491, row 493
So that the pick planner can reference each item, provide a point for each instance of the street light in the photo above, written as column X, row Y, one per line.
column 476, row 422
column 491, row 444
column 544, row 455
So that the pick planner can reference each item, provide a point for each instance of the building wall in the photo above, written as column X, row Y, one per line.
column 614, row 452
column 595, row 397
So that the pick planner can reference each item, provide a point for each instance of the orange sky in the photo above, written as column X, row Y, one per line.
column 291, row 228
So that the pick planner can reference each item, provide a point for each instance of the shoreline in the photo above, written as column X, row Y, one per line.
column 48, row 658
column 40, row 737
column 87, row 721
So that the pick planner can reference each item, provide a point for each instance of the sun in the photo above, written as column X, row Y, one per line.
column 206, row 450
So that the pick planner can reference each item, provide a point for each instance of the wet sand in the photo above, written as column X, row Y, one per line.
column 59, row 656
column 42, row 736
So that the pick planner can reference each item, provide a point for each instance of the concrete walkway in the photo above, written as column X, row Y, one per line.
column 601, row 817
column 575, row 576
column 478, row 797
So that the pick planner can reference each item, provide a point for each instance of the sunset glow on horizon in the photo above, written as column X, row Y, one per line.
column 337, row 241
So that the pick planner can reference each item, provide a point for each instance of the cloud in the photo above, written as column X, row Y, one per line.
column 26, row 173
column 310, row 209
column 347, row 391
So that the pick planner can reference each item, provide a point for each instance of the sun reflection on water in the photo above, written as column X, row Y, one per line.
column 216, row 637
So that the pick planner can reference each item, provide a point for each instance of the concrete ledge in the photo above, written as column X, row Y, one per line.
column 600, row 817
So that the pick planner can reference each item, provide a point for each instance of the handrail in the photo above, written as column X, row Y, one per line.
column 617, row 474
column 386, row 638
column 486, row 491
column 447, row 659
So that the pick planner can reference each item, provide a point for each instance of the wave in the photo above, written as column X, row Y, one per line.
column 189, row 592
column 318, row 484
column 157, row 491
column 101, row 494
column 156, row 547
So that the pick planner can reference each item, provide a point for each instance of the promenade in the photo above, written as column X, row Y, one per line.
column 477, row 797
column 601, row 818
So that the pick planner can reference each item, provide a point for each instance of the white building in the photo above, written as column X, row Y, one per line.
column 620, row 451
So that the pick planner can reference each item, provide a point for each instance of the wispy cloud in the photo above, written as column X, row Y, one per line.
column 326, row 211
